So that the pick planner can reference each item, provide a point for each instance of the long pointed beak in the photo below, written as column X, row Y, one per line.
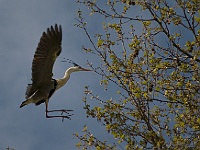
column 84, row 69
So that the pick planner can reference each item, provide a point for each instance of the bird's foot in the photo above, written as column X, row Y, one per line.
column 63, row 111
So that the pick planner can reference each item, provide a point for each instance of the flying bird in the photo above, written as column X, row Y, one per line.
column 43, row 85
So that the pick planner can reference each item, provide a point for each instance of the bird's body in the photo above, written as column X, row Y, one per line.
column 43, row 85
column 41, row 94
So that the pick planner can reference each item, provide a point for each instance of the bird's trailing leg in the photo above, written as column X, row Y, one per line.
column 58, row 116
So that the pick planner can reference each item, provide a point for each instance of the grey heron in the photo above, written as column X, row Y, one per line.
column 43, row 85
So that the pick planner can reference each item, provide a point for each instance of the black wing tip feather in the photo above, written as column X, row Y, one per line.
column 58, row 30
column 54, row 30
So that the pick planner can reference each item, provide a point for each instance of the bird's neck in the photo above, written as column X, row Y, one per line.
column 63, row 81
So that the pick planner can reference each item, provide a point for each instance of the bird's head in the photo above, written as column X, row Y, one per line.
column 78, row 68
column 75, row 68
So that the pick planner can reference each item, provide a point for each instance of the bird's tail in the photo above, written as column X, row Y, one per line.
column 26, row 102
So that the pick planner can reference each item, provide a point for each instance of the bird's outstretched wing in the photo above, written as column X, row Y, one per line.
column 46, row 53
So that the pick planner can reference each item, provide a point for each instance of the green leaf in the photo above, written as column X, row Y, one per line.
column 100, row 42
